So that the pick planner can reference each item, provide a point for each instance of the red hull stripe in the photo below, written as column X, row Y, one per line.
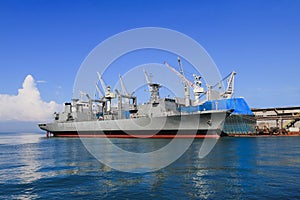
column 137, row 136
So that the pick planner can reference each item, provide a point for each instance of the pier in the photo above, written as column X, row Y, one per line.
column 280, row 120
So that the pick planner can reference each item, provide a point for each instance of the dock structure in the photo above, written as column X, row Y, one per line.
column 280, row 120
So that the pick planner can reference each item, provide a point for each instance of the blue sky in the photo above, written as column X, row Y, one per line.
column 50, row 39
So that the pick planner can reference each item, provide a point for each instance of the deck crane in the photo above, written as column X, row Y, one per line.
column 148, row 79
column 89, row 102
column 228, row 93
column 101, row 97
column 132, row 105
column 123, row 85
column 180, row 75
column 125, row 94
column 108, row 94
column 80, row 103
column 124, row 91
column 132, row 108
column 186, row 82
column 153, row 88
column 103, row 85
column 180, row 66
column 197, row 89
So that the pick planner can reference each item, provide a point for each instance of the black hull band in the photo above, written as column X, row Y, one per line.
column 141, row 134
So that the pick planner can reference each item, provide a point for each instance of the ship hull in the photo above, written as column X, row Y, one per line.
column 197, row 125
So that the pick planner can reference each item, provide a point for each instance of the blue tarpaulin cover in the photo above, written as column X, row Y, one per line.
column 238, row 105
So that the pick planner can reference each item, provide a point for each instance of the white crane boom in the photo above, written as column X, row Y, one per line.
column 99, row 91
column 124, row 91
column 147, row 77
column 180, row 75
column 180, row 66
column 148, row 80
column 228, row 93
column 102, row 82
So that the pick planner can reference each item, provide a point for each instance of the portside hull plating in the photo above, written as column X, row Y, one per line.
column 197, row 125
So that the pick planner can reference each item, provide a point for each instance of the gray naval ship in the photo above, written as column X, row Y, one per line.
column 158, row 118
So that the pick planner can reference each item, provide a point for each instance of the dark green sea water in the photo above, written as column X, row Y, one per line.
column 34, row 167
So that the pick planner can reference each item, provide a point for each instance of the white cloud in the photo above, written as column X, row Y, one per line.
column 27, row 105
column 41, row 81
